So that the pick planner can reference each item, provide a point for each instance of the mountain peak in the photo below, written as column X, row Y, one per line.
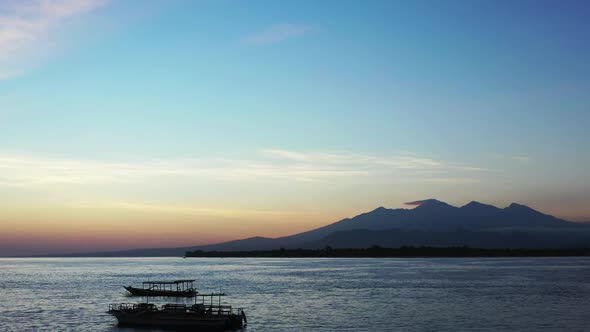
column 477, row 205
column 258, row 238
column 430, row 201
column 523, row 210
column 518, row 206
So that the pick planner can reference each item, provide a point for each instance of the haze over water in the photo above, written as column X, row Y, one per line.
column 444, row 295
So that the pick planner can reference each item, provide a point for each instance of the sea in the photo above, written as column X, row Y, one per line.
column 300, row 294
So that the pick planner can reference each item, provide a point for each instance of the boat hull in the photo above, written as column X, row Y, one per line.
column 178, row 321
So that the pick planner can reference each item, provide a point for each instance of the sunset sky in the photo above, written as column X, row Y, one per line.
column 127, row 124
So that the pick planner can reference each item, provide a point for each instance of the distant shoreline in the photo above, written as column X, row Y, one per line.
column 372, row 252
column 402, row 252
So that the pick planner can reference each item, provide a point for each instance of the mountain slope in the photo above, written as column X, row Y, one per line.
column 434, row 215
column 433, row 219
column 431, row 222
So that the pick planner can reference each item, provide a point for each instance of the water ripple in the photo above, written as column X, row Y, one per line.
column 495, row 294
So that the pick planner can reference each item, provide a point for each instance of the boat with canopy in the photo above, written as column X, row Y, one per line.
column 175, row 288
column 204, row 314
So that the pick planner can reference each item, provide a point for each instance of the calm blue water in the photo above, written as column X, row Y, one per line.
column 454, row 294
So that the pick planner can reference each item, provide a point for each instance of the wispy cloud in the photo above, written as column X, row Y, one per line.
column 32, row 171
column 405, row 161
column 27, row 27
column 275, row 34
column 186, row 210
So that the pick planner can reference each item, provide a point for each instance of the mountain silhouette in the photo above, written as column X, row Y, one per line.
column 434, row 223
column 430, row 222
column 432, row 214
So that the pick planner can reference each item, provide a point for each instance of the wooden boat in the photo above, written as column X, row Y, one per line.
column 176, row 288
column 200, row 316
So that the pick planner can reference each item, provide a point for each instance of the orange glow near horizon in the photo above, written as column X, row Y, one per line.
column 62, row 230
column 45, row 230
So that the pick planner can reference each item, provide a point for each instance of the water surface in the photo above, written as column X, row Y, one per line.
column 290, row 294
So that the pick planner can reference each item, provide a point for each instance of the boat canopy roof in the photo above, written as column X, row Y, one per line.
column 168, row 282
column 210, row 294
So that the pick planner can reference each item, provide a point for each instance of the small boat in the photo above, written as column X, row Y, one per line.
column 176, row 288
column 201, row 315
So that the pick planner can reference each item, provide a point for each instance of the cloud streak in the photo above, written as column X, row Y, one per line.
column 27, row 30
column 189, row 210
column 275, row 34
column 32, row 171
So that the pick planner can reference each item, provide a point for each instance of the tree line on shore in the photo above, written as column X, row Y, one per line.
column 404, row 251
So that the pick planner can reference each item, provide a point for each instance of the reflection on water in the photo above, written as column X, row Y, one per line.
column 454, row 294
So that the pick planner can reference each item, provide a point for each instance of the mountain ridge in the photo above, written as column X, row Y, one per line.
column 429, row 219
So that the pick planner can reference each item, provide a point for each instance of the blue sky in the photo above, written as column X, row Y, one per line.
column 308, row 110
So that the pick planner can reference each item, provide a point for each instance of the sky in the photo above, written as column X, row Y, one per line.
column 130, row 124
